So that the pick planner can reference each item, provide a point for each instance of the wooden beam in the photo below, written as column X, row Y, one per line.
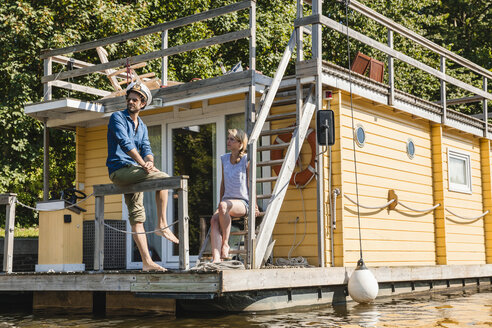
column 184, row 258
column 149, row 30
column 233, row 36
column 80, row 88
column 149, row 185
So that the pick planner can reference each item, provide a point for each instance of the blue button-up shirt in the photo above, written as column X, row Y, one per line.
column 122, row 138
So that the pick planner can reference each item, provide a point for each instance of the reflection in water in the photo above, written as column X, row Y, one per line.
column 446, row 309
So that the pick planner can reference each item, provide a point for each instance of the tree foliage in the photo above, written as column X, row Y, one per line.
column 28, row 26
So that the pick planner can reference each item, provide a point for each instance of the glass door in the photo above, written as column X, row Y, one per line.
column 154, row 242
column 192, row 151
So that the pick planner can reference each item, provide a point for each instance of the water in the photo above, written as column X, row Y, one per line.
column 462, row 308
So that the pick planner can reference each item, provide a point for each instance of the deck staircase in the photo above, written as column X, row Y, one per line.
column 259, row 244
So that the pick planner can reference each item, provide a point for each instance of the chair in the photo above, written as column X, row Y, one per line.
column 119, row 77
column 363, row 62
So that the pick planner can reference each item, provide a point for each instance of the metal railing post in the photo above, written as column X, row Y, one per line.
column 391, row 71
column 443, row 91
column 485, row 110
column 164, row 59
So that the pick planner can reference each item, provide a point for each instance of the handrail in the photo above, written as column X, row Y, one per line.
column 417, row 38
column 148, row 30
column 316, row 19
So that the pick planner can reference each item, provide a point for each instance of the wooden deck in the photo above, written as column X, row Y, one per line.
column 246, row 290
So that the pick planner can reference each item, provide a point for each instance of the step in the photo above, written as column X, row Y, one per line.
column 265, row 196
column 278, row 131
column 271, row 163
column 273, row 147
column 265, row 180
column 237, row 251
column 282, row 116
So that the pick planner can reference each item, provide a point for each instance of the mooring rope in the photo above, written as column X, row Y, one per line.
column 293, row 262
column 470, row 220
column 39, row 210
column 368, row 207
column 139, row 233
column 219, row 266
column 416, row 210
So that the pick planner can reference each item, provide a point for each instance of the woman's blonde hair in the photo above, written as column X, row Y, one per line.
column 242, row 138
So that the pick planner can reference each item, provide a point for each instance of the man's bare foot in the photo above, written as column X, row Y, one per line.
column 216, row 260
column 224, row 254
column 153, row 267
column 168, row 234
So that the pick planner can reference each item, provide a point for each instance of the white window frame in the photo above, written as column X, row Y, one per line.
column 463, row 188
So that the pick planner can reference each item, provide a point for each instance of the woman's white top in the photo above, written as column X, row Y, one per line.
column 235, row 178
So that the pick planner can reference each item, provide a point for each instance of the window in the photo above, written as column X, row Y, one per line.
column 360, row 135
column 459, row 171
column 410, row 148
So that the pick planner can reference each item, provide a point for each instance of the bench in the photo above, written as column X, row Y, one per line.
column 179, row 183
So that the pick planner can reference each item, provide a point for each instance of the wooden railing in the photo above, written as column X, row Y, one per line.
column 179, row 183
column 83, row 68
column 480, row 94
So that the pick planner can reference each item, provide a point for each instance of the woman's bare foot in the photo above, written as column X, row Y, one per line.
column 153, row 267
column 168, row 234
column 224, row 254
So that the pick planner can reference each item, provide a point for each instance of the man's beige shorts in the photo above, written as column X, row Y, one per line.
column 129, row 175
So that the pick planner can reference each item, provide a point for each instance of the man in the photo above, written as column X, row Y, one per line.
column 130, row 160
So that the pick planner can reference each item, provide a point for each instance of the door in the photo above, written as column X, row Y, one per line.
column 192, row 151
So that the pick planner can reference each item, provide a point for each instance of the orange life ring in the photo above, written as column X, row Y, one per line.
column 305, row 176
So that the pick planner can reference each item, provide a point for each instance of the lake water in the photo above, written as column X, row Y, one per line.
column 471, row 307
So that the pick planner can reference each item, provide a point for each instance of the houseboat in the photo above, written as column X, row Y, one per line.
column 345, row 166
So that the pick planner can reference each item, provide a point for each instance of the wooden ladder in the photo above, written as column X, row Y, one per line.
column 259, row 244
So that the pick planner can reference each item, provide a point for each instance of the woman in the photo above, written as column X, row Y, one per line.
column 233, row 193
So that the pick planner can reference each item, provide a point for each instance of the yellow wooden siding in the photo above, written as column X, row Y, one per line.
column 96, row 172
column 398, row 237
column 80, row 156
column 338, row 176
column 289, row 230
column 465, row 241
column 486, row 164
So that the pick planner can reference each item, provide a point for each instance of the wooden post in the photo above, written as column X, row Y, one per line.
column 485, row 111
column 443, row 91
column 184, row 257
column 99, row 235
column 164, row 59
column 8, row 244
column 391, row 71
column 317, row 52
column 46, row 161
column 251, row 242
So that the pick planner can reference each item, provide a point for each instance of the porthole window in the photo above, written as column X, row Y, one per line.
column 410, row 148
column 360, row 135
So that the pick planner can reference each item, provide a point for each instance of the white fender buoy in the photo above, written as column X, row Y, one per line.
column 362, row 286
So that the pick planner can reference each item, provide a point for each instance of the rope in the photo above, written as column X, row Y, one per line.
column 35, row 209
column 466, row 218
column 415, row 210
column 139, row 233
column 219, row 266
column 368, row 207
column 296, row 262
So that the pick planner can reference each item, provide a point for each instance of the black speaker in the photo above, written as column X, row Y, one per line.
column 325, row 127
